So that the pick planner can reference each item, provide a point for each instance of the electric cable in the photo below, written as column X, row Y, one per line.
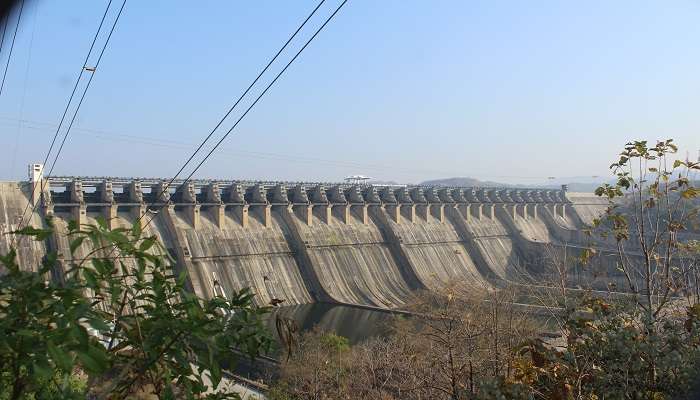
column 70, row 100
column 167, row 186
column 115, row 136
column 92, row 75
column 4, row 29
column 221, row 121
column 12, row 46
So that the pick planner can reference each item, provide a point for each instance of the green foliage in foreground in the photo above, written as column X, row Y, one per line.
column 609, row 352
column 120, row 318
column 58, row 386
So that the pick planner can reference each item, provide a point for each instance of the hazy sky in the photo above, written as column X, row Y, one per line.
column 404, row 90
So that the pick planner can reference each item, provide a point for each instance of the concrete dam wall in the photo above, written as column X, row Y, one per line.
column 308, row 242
column 13, row 202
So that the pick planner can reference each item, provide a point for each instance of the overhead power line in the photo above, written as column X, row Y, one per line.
column 24, row 86
column 77, row 82
column 82, row 97
column 4, row 29
column 257, row 78
column 264, row 91
column 12, row 46
column 174, row 144
column 246, row 112
column 167, row 186
column 72, row 95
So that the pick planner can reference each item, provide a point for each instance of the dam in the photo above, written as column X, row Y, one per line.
column 300, row 242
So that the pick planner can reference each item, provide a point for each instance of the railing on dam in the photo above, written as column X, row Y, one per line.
column 78, row 195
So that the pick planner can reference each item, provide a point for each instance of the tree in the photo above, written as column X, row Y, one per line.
column 121, row 316
column 647, row 348
column 453, row 341
column 651, row 208
column 609, row 352
column 464, row 338
column 43, row 332
column 318, row 369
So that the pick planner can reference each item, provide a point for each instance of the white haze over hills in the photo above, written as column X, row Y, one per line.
column 575, row 184
column 578, row 184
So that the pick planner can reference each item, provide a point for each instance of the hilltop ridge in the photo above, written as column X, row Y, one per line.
column 585, row 187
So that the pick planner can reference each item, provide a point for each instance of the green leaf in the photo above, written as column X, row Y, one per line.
column 78, row 332
column 99, row 324
column 147, row 243
column 215, row 372
column 73, row 226
column 48, row 262
column 182, row 278
column 93, row 359
column 74, row 244
column 624, row 182
column 42, row 369
column 690, row 193
column 136, row 229
column 90, row 278
column 60, row 357
column 8, row 260
column 101, row 266
column 101, row 222
column 38, row 234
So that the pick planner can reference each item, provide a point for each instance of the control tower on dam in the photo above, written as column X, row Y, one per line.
column 302, row 242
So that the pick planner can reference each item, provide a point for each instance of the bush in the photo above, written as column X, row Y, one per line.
column 610, row 352
column 121, row 316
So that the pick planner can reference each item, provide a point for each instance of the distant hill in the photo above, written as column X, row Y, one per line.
column 582, row 184
column 586, row 187
column 464, row 181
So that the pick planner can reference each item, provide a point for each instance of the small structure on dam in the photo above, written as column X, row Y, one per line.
column 302, row 242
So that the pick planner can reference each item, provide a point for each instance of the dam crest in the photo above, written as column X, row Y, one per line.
column 301, row 242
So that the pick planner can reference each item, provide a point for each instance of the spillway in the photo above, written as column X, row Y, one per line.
column 353, row 261
column 437, row 253
column 235, row 257
column 312, row 242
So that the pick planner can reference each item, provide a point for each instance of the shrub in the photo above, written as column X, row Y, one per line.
column 121, row 316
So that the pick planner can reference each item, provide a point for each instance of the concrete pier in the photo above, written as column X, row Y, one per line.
column 306, row 241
